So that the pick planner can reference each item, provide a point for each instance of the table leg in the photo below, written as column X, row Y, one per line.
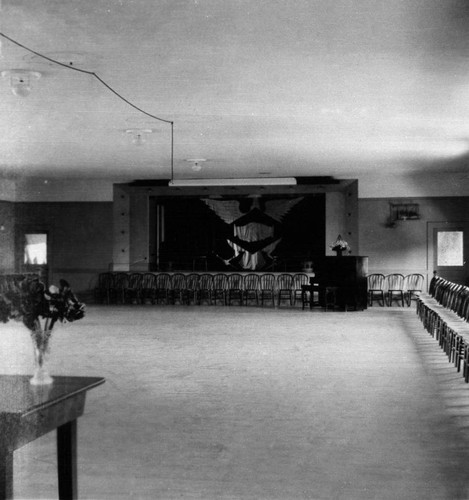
column 6, row 475
column 67, row 460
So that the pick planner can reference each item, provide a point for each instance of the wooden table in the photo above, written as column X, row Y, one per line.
column 28, row 412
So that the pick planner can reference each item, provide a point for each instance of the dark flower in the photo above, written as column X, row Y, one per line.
column 339, row 244
column 37, row 307
column 5, row 311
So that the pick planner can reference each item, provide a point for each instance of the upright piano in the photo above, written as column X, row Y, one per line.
column 342, row 278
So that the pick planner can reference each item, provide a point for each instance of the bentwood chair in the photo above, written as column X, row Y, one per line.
column 376, row 284
column 463, row 350
column 118, row 286
column 177, row 288
column 267, row 288
column 192, row 288
column 284, row 288
column 251, row 288
column 299, row 281
column 162, row 288
column 458, row 328
column 147, row 288
column 235, row 288
column 220, row 285
column 413, row 286
column 132, row 292
column 395, row 286
column 205, row 288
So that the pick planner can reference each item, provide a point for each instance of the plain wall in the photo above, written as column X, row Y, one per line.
column 403, row 247
column 80, row 238
column 7, row 237
column 384, row 183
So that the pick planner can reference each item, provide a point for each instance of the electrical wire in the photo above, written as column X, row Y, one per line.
column 95, row 75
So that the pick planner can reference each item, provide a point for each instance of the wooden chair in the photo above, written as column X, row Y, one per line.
column 234, row 289
column 413, row 286
column 376, row 285
column 284, row 288
column 133, row 290
column 395, row 286
column 307, row 297
column 177, row 288
column 251, row 286
column 147, row 288
column 118, row 287
column 205, row 288
column 220, row 286
column 463, row 313
column 162, row 288
column 267, row 288
column 191, row 291
column 299, row 280
column 463, row 351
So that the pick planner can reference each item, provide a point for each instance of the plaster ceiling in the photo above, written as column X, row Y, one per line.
column 254, row 87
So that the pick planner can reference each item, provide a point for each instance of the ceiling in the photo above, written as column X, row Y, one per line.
column 257, row 88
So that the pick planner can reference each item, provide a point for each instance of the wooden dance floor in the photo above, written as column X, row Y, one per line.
column 243, row 403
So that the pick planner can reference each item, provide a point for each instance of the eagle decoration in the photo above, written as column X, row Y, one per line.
column 256, row 228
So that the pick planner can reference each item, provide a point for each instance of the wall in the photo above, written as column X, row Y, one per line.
column 80, row 238
column 403, row 248
column 342, row 218
column 7, row 190
column 400, row 181
column 7, row 237
column 82, row 231
column 385, row 182
column 61, row 189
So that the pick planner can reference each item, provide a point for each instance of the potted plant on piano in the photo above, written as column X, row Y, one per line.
column 40, row 309
column 340, row 246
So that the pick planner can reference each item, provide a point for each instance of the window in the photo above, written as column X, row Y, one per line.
column 35, row 249
column 450, row 248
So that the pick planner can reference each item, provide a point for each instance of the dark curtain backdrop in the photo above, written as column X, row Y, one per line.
column 195, row 236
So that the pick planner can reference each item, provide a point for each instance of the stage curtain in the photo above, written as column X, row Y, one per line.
column 253, row 232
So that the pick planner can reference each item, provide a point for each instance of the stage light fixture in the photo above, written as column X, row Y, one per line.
column 248, row 181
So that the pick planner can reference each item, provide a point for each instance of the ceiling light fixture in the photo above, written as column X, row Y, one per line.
column 20, row 80
column 139, row 135
column 248, row 181
column 196, row 163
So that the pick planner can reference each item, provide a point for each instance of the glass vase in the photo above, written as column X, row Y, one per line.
column 41, row 351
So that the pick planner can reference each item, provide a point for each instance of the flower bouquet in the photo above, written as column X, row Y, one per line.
column 40, row 309
column 340, row 246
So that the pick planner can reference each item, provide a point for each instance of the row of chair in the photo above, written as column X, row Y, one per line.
column 444, row 313
column 198, row 288
column 390, row 288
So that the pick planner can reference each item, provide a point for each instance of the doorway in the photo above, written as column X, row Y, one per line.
column 448, row 250
column 33, row 253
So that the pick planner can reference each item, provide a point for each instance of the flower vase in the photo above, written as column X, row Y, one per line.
column 339, row 252
column 40, row 340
